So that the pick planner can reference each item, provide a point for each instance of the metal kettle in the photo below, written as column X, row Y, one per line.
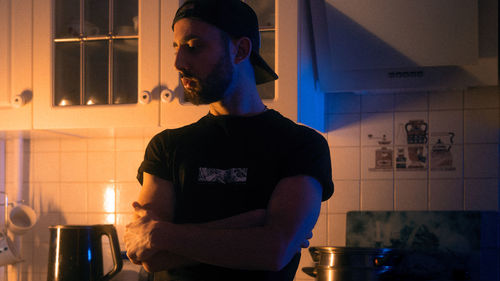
column 75, row 252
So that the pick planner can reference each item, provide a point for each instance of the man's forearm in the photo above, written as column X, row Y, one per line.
column 165, row 260
column 253, row 248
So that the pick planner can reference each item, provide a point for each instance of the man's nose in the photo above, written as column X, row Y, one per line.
column 180, row 61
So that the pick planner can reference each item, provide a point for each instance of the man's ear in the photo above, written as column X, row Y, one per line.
column 243, row 49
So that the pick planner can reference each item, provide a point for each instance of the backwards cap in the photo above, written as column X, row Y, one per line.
column 235, row 18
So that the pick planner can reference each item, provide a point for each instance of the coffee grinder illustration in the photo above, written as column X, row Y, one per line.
column 383, row 155
column 416, row 134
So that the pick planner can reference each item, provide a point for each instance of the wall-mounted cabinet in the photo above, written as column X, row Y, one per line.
column 82, row 55
column 15, row 65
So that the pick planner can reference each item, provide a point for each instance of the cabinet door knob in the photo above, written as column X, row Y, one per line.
column 167, row 95
column 145, row 97
column 18, row 101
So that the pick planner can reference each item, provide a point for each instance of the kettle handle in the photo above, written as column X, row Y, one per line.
column 110, row 231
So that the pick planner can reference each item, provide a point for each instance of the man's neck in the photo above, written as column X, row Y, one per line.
column 246, row 102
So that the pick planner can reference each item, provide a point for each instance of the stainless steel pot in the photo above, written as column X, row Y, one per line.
column 349, row 263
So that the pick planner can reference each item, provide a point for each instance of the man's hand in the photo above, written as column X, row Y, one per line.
column 138, row 234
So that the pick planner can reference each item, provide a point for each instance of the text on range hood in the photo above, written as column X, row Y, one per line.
column 364, row 45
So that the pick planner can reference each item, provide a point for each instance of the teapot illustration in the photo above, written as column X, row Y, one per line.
column 441, row 157
column 416, row 132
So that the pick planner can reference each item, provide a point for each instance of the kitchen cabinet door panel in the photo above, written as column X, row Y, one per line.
column 115, row 111
column 15, row 64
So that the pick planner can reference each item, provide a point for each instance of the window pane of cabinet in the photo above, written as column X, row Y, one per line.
column 96, row 19
column 96, row 73
column 67, row 74
column 125, row 71
column 67, row 18
column 106, row 33
column 265, row 11
column 125, row 21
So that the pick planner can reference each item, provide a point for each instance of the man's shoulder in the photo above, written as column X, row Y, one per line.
column 173, row 135
column 286, row 126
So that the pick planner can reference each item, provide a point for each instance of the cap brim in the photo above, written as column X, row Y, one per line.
column 263, row 72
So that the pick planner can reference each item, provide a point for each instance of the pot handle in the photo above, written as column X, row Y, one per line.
column 311, row 271
column 110, row 231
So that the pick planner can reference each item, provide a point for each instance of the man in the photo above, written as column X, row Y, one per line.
column 235, row 195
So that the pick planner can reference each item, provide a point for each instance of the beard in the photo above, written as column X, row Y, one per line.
column 212, row 88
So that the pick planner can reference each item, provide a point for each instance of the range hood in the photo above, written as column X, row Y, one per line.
column 372, row 45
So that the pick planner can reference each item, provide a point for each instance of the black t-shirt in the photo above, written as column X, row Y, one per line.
column 222, row 166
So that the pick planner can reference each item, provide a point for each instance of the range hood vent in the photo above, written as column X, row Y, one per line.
column 367, row 45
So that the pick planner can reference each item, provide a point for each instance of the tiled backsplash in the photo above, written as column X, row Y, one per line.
column 89, row 180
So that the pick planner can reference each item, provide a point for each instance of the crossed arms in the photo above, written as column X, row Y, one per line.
column 256, row 240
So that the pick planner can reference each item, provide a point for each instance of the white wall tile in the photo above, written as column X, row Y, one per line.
column 482, row 97
column 377, row 127
column 481, row 194
column 46, row 167
column 345, row 163
column 377, row 102
column 74, row 218
column 41, row 258
column 447, row 126
column 126, row 193
column 127, row 163
column 41, row 228
column 445, row 100
column 101, row 166
column 73, row 197
column 76, row 144
column 336, row 229
column 101, row 218
column 101, row 144
column 480, row 160
column 343, row 103
column 101, row 197
column 411, row 101
column 10, row 167
column 344, row 129
column 73, row 166
column 446, row 195
column 45, row 145
column 377, row 195
column 346, row 197
column 129, row 144
column 481, row 126
column 410, row 195
column 46, row 197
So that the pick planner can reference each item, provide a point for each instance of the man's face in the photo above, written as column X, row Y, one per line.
column 203, row 60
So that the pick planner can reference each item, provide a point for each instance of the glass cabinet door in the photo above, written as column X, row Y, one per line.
column 96, row 63
column 96, row 51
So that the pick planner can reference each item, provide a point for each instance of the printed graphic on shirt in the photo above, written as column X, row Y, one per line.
column 213, row 175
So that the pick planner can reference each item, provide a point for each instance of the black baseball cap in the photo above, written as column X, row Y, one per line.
column 235, row 18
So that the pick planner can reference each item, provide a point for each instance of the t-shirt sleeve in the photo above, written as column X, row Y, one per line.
column 312, row 158
column 155, row 159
